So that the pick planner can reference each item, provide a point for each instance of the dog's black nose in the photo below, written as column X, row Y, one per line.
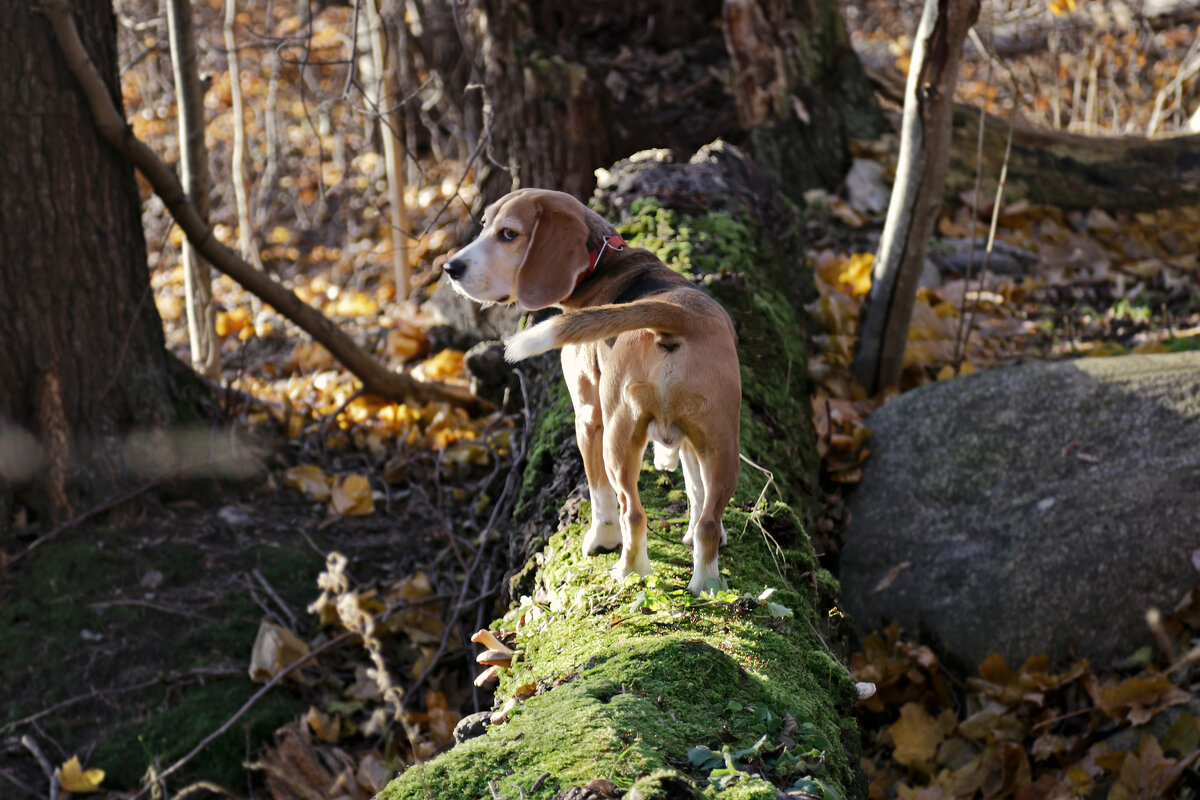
column 455, row 269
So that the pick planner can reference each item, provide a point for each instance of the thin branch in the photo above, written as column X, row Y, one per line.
column 217, row 672
column 376, row 378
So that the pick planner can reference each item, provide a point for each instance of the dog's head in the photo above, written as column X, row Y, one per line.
column 532, row 250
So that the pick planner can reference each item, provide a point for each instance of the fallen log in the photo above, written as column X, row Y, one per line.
column 639, row 687
column 1066, row 169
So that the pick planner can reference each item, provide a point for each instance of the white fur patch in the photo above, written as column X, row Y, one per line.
column 532, row 342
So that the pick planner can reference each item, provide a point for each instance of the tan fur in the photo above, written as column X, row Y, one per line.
column 662, row 365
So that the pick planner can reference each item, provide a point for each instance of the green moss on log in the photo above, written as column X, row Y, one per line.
column 624, row 681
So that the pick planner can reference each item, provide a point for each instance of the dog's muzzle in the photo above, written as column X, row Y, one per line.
column 455, row 269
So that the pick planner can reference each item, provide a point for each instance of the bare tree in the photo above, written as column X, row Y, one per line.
column 917, row 193
column 238, row 158
column 385, row 95
column 193, row 167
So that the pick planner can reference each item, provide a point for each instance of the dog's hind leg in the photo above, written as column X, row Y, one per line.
column 720, row 473
column 624, row 443
column 693, row 478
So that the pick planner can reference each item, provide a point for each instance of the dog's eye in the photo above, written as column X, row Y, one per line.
column 507, row 234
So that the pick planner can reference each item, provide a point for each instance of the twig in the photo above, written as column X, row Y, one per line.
column 991, row 240
column 960, row 351
column 254, row 698
column 506, row 494
column 113, row 502
column 287, row 611
column 24, row 787
column 376, row 378
column 218, row 672
column 32, row 746
column 152, row 606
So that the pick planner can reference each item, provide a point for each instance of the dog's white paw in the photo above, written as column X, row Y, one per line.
column 601, row 537
column 623, row 569
column 702, row 574
column 531, row 342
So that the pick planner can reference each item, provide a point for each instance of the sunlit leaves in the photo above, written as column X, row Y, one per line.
column 73, row 778
column 352, row 496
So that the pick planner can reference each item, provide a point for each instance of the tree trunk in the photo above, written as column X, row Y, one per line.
column 917, row 193
column 800, row 90
column 594, row 86
column 619, row 682
column 82, row 342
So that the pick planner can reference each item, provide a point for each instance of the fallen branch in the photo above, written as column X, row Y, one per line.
column 376, row 379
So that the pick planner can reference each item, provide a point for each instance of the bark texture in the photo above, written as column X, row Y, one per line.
column 82, row 343
column 800, row 90
column 595, row 84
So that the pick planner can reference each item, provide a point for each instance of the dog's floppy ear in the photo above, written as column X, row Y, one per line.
column 556, row 255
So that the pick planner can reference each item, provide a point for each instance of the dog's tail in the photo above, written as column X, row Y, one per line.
column 595, row 324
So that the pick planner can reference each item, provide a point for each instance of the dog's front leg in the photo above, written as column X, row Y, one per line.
column 605, row 532
column 624, row 443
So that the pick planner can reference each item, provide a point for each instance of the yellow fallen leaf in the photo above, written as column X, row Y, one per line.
column 77, row 780
column 232, row 321
column 352, row 497
column 405, row 342
column 1151, row 347
column 310, row 357
column 309, row 478
column 446, row 364
column 279, row 235
column 855, row 276
column 353, row 304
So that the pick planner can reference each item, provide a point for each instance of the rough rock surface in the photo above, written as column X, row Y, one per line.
column 1039, row 508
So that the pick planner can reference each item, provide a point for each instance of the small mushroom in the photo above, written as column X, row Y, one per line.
column 491, row 675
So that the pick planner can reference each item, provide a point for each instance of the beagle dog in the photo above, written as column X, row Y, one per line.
column 646, row 356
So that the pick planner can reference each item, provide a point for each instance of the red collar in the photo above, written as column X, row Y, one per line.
column 612, row 243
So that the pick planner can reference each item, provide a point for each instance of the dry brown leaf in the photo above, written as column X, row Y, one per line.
column 326, row 727
column 275, row 648
column 917, row 735
column 352, row 497
column 310, row 479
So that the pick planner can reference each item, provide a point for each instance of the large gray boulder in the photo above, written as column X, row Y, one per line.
column 1041, row 508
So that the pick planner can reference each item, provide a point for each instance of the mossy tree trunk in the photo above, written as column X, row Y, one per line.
column 619, row 682
column 548, row 91
column 800, row 90
column 83, row 356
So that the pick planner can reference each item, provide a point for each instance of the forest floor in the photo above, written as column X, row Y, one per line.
column 128, row 637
